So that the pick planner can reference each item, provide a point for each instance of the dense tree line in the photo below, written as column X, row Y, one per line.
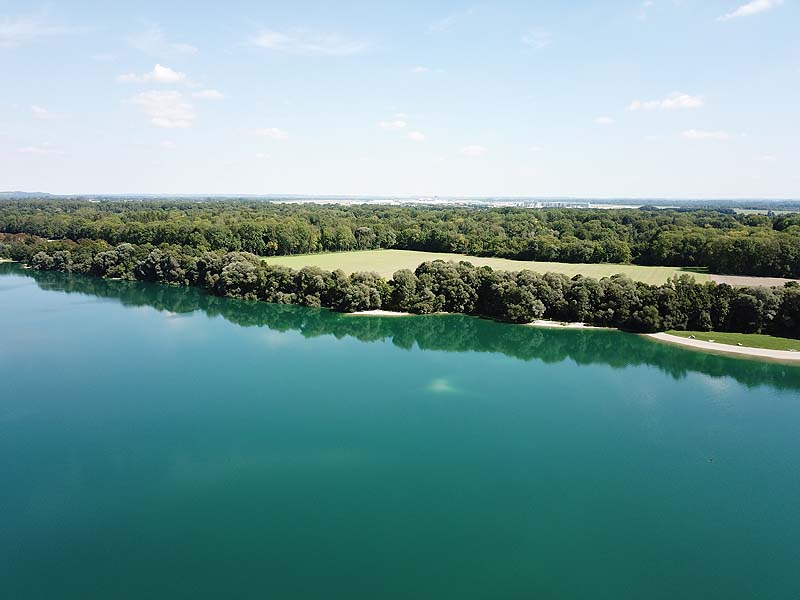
column 449, row 333
column 723, row 241
column 433, row 287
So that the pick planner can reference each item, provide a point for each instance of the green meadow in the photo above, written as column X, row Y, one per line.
column 386, row 262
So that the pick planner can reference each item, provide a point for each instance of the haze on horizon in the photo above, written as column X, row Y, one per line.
column 640, row 99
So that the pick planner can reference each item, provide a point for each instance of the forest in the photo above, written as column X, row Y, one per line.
column 434, row 287
column 720, row 240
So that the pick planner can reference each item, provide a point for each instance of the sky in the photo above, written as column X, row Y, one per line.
column 599, row 99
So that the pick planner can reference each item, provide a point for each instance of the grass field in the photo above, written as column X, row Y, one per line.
column 750, row 340
column 386, row 262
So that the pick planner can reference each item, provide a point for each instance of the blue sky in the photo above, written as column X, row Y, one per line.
column 663, row 98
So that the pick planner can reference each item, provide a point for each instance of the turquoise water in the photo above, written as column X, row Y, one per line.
column 156, row 442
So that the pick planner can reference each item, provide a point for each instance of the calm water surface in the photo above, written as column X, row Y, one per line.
column 160, row 443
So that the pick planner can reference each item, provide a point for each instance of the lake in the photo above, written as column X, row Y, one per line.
column 157, row 442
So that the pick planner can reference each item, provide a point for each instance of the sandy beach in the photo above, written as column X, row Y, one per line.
column 560, row 325
column 783, row 355
column 380, row 313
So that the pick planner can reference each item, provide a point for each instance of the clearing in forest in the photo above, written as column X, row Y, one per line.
column 386, row 262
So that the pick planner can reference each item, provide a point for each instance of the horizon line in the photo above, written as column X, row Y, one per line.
column 399, row 196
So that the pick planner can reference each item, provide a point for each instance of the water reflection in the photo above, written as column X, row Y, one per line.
column 451, row 333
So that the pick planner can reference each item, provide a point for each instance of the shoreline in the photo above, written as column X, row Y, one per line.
column 786, row 356
column 379, row 313
column 536, row 323
column 780, row 355
column 564, row 325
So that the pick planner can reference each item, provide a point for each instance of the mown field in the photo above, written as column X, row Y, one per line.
column 751, row 340
column 386, row 262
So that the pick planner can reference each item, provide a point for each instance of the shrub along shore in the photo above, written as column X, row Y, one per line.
column 518, row 297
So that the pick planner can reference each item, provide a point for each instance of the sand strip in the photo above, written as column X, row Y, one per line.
column 560, row 325
column 784, row 355
column 379, row 313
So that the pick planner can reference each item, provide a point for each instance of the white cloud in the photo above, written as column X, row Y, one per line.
column 41, row 112
column 399, row 123
column 473, row 150
column 447, row 22
column 270, row 132
column 44, row 149
column 700, row 134
column 159, row 74
column 394, row 125
column 152, row 41
column 421, row 70
column 165, row 108
column 443, row 24
column 169, row 144
column 767, row 158
column 537, row 39
column 104, row 57
column 18, row 30
column 644, row 7
column 307, row 43
column 751, row 8
column 209, row 94
column 675, row 101
column 535, row 148
column 604, row 120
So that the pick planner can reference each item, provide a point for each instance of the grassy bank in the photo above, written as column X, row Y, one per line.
column 749, row 340
column 386, row 262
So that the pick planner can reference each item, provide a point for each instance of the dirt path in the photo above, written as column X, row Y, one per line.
column 744, row 280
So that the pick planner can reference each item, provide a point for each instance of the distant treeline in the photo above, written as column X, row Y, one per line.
column 724, row 242
column 433, row 287
column 724, row 205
